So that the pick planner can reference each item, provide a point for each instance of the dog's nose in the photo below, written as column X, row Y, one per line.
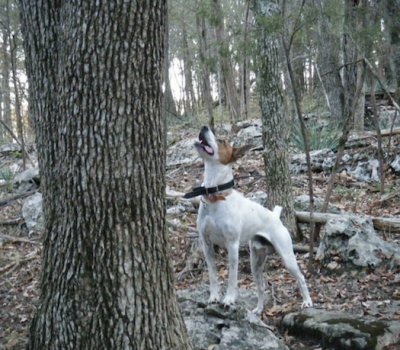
column 204, row 129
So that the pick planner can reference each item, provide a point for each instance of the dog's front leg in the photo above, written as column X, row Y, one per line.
column 231, row 293
column 209, row 255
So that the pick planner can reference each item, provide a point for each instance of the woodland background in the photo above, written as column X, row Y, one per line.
column 212, row 63
column 336, row 63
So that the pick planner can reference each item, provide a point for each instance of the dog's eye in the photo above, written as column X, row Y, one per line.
column 222, row 142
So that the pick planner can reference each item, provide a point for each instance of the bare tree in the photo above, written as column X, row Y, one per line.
column 328, row 59
column 6, row 68
column 204, row 56
column 95, row 71
column 230, row 89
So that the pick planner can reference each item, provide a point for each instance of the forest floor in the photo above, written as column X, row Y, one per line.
column 352, row 292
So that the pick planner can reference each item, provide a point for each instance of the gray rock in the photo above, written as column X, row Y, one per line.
column 395, row 164
column 343, row 331
column 366, row 171
column 32, row 212
column 302, row 203
column 387, row 117
column 181, row 207
column 354, row 241
column 9, row 148
column 182, row 152
column 250, row 133
column 27, row 180
column 360, row 164
column 226, row 328
column 259, row 197
column 298, row 163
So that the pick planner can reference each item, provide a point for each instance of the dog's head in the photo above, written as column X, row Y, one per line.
column 218, row 150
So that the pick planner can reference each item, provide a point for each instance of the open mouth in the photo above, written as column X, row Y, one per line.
column 204, row 145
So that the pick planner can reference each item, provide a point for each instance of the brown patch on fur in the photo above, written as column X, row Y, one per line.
column 225, row 151
column 228, row 154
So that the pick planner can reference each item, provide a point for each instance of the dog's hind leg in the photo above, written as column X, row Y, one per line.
column 258, row 255
column 283, row 246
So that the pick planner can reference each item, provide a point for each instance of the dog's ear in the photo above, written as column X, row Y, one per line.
column 239, row 152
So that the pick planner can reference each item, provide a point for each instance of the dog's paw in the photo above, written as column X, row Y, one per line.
column 229, row 301
column 214, row 298
column 307, row 303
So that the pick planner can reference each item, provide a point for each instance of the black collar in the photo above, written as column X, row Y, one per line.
column 199, row 191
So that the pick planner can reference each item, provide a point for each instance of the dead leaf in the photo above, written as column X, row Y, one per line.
column 13, row 340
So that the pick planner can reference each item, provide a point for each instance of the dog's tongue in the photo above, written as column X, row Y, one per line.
column 208, row 149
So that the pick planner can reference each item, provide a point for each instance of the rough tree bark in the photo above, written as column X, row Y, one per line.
column 276, row 130
column 393, row 23
column 95, row 71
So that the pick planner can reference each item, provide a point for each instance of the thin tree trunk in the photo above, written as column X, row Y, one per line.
column 286, row 49
column 205, row 70
column 107, row 279
column 378, row 133
column 226, row 67
column 245, row 66
column 6, row 117
column 17, row 106
column 188, row 68
column 328, row 61
column 169, row 102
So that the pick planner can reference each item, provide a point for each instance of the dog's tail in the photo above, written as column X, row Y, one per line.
column 277, row 210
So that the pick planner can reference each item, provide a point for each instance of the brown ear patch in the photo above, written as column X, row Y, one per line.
column 239, row 152
column 224, row 151
column 228, row 154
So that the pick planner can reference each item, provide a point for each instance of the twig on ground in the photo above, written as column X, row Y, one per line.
column 18, row 196
column 11, row 222
column 12, row 239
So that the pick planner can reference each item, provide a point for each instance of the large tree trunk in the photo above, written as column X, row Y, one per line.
column 393, row 24
column 276, row 128
column 95, row 79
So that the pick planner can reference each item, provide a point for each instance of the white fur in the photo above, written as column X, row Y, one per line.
column 237, row 220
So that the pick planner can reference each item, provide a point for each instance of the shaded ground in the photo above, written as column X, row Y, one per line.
column 354, row 292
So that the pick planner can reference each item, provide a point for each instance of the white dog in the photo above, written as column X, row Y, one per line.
column 226, row 218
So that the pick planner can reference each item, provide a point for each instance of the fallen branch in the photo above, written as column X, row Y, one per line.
column 18, row 196
column 11, row 222
column 386, row 132
column 388, row 196
column 194, row 234
column 15, row 264
column 12, row 239
column 383, row 224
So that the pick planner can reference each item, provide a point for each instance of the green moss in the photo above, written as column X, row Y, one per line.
column 371, row 331
column 364, row 336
